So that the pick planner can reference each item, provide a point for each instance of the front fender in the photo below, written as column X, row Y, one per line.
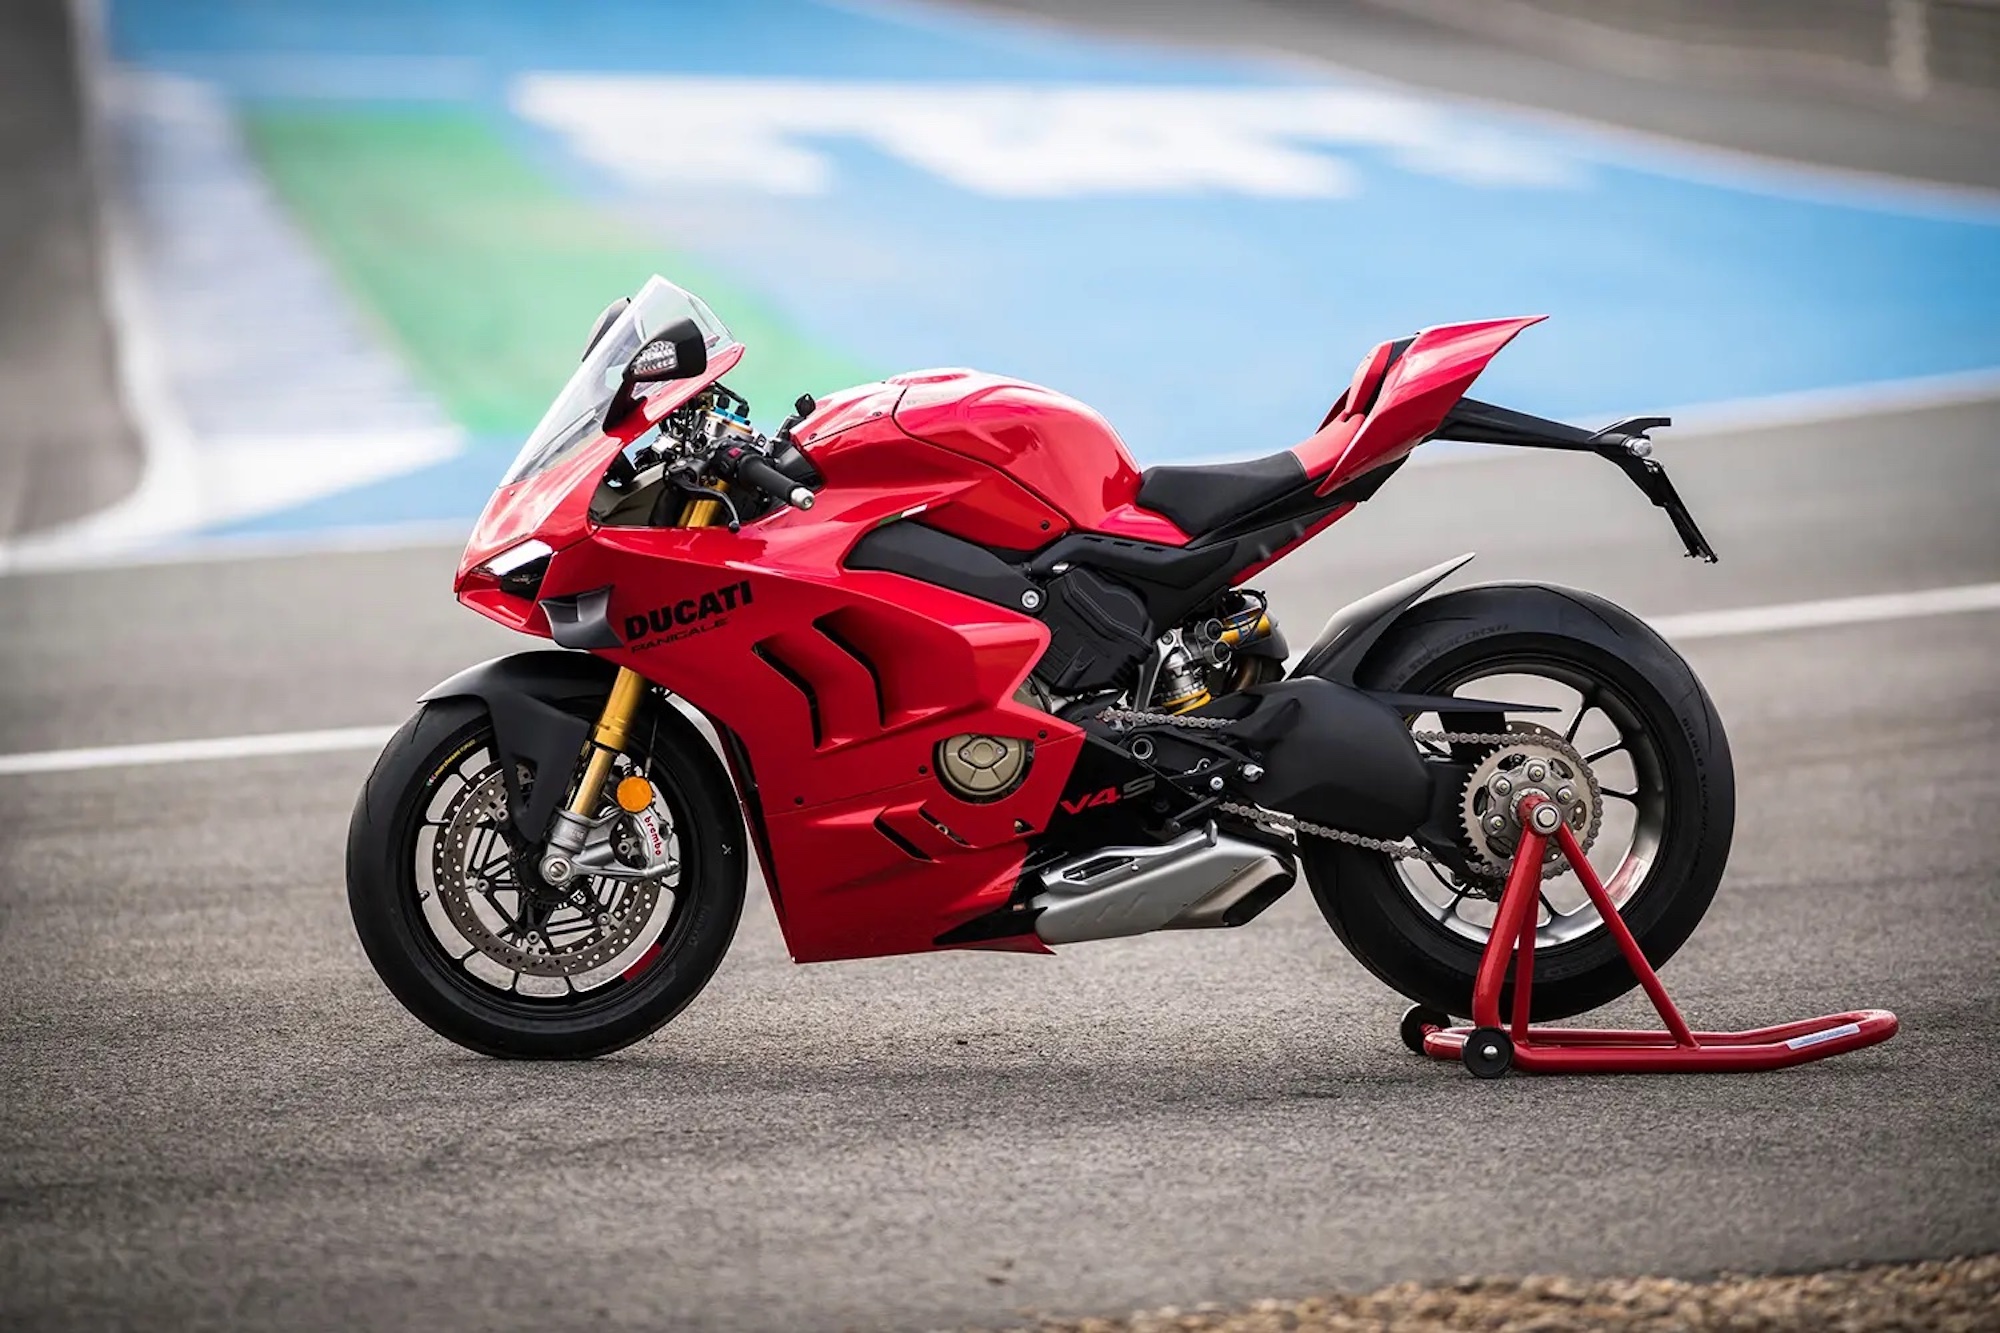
column 523, row 694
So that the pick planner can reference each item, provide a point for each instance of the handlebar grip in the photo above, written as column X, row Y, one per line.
column 757, row 471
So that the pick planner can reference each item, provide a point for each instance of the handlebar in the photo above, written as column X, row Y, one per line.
column 756, row 471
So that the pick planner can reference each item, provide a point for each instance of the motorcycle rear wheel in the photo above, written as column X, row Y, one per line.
column 452, row 972
column 1683, row 793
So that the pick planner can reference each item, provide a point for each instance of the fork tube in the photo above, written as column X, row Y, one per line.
column 608, row 739
column 701, row 513
column 626, row 691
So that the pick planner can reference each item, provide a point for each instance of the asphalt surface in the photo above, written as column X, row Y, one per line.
column 213, row 1115
column 216, row 1115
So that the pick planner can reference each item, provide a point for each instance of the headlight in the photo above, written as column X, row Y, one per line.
column 519, row 569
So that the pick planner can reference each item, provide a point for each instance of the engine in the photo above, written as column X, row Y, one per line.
column 1099, row 634
column 1101, row 642
column 1103, row 651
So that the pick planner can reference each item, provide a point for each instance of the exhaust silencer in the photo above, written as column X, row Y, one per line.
column 1189, row 882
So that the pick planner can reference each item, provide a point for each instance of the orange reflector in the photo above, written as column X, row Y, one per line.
column 634, row 794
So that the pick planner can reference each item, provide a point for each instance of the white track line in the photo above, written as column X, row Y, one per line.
column 1836, row 611
column 181, row 752
column 1683, row 628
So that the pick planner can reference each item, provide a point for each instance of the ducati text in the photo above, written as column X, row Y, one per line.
column 689, row 615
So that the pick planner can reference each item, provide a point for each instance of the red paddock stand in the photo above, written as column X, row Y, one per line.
column 1489, row 1050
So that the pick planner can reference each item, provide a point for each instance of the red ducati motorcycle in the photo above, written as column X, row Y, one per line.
column 966, row 678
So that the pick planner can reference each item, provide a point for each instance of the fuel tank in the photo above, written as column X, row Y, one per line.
column 1050, row 443
column 1026, row 464
column 854, row 440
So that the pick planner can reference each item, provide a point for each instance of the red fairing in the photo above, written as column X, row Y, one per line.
column 840, row 684
column 1050, row 443
column 1433, row 373
column 737, row 623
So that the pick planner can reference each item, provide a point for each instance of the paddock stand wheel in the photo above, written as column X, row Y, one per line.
column 1489, row 1048
column 1488, row 1052
column 1419, row 1021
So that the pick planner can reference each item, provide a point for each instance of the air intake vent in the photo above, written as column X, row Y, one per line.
column 832, row 632
column 908, row 848
column 941, row 826
column 797, row 682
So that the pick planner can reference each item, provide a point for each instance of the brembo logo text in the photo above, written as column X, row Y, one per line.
column 690, row 615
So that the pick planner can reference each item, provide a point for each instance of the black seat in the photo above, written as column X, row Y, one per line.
column 1201, row 499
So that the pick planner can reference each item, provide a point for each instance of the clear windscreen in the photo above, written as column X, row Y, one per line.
column 577, row 415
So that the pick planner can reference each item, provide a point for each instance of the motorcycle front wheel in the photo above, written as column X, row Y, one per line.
column 465, row 935
column 1633, row 709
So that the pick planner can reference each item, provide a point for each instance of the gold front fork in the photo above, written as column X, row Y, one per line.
column 571, row 829
column 701, row 513
column 615, row 722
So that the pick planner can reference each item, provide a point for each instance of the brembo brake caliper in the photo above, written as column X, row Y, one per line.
column 582, row 841
column 620, row 845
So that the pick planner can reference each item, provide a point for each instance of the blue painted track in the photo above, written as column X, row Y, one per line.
column 1202, row 321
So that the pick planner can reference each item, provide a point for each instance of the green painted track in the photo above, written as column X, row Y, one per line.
column 483, row 273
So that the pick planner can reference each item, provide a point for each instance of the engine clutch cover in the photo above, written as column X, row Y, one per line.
column 982, row 768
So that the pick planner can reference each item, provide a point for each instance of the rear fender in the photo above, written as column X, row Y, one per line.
column 523, row 694
column 1336, row 654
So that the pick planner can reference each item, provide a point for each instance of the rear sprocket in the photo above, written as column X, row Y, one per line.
column 1540, row 761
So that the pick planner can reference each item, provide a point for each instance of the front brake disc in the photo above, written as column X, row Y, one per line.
column 491, row 908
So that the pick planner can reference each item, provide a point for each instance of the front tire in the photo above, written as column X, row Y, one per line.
column 444, row 755
column 1687, row 775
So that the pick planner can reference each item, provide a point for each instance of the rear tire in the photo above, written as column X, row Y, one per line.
column 387, row 901
column 1447, row 639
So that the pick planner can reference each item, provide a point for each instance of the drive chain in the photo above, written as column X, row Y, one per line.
column 1385, row 846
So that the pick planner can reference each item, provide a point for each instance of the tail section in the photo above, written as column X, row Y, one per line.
column 1400, row 393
